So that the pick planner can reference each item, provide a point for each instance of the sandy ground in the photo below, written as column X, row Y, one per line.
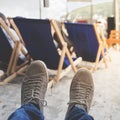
column 105, row 105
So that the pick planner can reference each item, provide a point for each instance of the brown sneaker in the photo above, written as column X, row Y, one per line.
column 34, row 85
column 81, row 90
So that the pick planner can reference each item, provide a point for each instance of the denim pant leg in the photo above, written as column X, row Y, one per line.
column 77, row 113
column 27, row 112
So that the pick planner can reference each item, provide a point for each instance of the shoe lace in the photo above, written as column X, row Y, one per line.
column 35, row 92
column 42, row 102
column 81, row 94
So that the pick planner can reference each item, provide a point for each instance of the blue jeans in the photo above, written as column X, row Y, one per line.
column 30, row 112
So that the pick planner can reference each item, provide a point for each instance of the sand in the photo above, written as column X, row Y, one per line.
column 105, row 104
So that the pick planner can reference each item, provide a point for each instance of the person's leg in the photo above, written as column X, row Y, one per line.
column 81, row 95
column 27, row 112
column 33, row 91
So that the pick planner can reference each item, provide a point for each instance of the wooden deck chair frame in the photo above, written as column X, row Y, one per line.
column 12, row 70
column 16, row 29
column 60, row 72
column 103, row 38
column 64, row 50
column 18, row 33
column 101, row 47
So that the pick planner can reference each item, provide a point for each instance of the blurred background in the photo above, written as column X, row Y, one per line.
column 65, row 10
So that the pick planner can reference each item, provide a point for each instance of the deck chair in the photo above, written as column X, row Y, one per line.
column 114, row 38
column 87, row 42
column 9, row 57
column 38, row 39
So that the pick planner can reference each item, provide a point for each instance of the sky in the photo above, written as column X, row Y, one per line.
column 35, row 8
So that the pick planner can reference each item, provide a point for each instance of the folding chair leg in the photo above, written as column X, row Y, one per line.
column 97, row 58
column 61, row 62
column 71, row 61
column 10, row 66
column 16, row 56
column 106, row 47
column 104, row 60
column 11, row 77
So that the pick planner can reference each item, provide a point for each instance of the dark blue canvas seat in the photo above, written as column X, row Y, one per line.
column 86, row 41
column 6, row 51
column 5, row 48
column 37, row 36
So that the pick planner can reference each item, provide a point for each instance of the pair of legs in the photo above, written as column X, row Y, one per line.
column 33, row 91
